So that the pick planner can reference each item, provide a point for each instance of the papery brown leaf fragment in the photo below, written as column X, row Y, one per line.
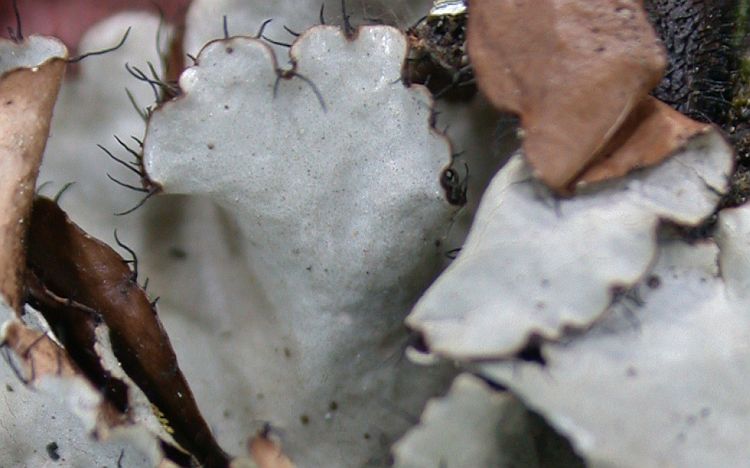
column 572, row 70
column 73, row 265
column 652, row 132
column 27, row 97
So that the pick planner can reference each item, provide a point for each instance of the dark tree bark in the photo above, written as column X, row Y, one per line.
column 699, row 37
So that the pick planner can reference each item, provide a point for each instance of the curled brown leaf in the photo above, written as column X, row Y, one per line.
column 73, row 265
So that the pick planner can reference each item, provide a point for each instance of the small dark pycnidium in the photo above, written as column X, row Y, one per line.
column 653, row 282
column 52, row 449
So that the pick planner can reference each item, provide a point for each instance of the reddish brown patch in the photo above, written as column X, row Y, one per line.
column 267, row 454
column 70, row 19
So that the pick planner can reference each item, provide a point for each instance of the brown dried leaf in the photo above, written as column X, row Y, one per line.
column 571, row 69
column 652, row 132
column 27, row 96
column 73, row 265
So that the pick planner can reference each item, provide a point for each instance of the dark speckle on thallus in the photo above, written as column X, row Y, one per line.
column 52, row 448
